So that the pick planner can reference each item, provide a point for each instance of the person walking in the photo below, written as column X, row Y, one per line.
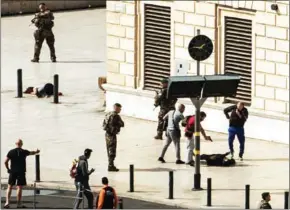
column 237, row 119
column 43, row 20
column 173, row 132
column 112, row 124
column 189, row 131
column 82, row 180
column 107, row 198
column 264, row 203
column 166, row 104
column 17, row 171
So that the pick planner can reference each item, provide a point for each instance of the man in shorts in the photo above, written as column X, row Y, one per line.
column 17, row 170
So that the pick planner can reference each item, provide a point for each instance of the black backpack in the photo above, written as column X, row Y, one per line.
column 185, row 120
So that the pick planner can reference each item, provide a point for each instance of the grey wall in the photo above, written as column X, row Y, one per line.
column 14, row 7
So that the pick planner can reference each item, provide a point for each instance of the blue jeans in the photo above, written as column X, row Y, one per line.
column 239, row 131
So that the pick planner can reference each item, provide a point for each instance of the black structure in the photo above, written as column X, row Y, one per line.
column 170, row 185
column 131, row 178
column 208, row 203
column 37, row 168
column 19, row 84
column 121, row 203
column 198, row 89
column 286, row 199
column 55, row 89
column 247, row 198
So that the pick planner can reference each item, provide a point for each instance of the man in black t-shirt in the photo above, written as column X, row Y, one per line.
column 237, row 118
column 17, row 171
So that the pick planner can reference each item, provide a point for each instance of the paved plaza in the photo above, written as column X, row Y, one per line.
column 63, row 131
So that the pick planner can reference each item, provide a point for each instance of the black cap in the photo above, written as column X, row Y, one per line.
column 88, row 151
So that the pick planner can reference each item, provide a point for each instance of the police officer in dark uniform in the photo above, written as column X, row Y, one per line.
column 165, row 106
column 43, row 20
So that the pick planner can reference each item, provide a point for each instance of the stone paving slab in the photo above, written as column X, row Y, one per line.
column 64, row 130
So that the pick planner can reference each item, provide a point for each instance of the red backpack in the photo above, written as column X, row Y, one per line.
column 73, row 169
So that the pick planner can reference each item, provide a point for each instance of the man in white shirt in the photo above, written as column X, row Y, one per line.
column 173, row 132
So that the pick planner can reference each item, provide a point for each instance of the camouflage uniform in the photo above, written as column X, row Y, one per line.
column 165, row 106
column 44, row 23
column 112, row 124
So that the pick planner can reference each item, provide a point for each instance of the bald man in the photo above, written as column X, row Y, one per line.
column 17, row 170
column 173, row 132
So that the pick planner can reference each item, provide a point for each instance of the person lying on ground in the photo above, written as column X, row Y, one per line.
column 218, row 160
column 42, row 91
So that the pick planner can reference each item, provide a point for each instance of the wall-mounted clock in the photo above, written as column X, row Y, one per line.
column 200, row 47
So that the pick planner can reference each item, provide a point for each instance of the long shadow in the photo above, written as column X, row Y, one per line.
column 270, row 159
column 73, row 62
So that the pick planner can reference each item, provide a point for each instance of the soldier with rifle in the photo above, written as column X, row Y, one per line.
column 43, row 20
column 166, row 104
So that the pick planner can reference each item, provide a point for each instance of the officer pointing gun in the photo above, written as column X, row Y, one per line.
column 43, row 20
column 165, row 104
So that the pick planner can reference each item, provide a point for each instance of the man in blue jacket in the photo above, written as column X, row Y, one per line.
column 238, row 117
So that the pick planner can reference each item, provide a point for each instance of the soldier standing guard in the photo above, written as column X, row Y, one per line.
column 165, row 106
column 112, row 125
column 43, row 20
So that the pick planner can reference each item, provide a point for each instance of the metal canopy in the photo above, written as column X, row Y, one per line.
column 203, row 86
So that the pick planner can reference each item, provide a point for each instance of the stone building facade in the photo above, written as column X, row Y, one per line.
column 148, row 40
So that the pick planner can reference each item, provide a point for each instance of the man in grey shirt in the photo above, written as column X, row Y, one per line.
column 173, row 132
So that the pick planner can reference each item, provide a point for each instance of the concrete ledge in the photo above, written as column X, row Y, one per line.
column 261, row 125
column 25, row 7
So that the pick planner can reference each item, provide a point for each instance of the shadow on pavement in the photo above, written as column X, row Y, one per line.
column 65, row 200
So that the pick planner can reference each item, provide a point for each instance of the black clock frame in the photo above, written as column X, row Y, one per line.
column 200, row 47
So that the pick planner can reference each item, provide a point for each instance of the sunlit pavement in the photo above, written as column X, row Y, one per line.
column 64, row 130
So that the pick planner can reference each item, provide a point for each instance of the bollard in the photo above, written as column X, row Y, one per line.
column 37, row 168
column 34, row 196
column 131, row 178
column 247, row 202
column 55, row 89
column 208, row 192
column 286, row 199
column 170, row 184
column 120, row 203
column 19, row 83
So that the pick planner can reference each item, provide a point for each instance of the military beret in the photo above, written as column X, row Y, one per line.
column 164, row 80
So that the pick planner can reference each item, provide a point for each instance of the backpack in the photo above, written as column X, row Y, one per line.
column 107, row 121
column 73, row 169
column 185, row 120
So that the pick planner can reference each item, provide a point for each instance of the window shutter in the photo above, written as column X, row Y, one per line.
column 238, row 55
column 157, row 44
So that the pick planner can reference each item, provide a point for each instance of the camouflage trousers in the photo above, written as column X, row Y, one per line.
column 111, row 142
column 160, row 126
column 40, row 36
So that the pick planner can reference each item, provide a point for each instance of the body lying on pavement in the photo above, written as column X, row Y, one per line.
column 218, row 160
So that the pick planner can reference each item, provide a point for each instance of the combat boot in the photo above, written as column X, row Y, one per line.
column 113, row 169
column 158, row 136
column 35, row 60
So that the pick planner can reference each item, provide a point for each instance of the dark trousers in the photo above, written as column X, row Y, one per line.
column 111, row 142
column 83, row 188
column 239, row 131
column 40, row 36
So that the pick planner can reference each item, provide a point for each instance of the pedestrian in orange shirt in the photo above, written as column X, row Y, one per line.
column 107, row 199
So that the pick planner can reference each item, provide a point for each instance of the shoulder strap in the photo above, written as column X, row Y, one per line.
column 174, row 121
